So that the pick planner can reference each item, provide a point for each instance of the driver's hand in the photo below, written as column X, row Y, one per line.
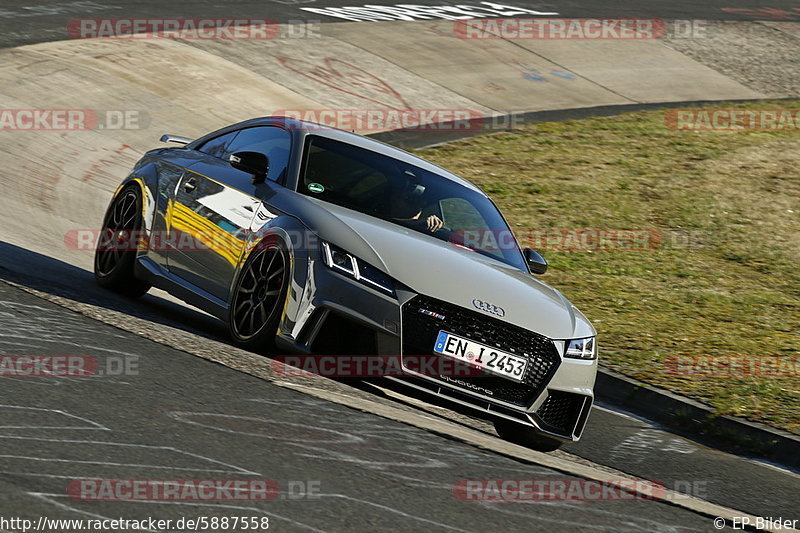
column 434, row 223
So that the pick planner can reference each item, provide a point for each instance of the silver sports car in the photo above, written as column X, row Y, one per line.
column 312, row 240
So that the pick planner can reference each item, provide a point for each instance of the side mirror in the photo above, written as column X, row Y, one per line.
column 254, row 163
column 536, row 263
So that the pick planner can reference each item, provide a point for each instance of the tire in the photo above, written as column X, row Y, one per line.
column 258, row 297
column 525, row 436
column 115, row 257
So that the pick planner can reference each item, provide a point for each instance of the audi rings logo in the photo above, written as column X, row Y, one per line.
column 489, row 308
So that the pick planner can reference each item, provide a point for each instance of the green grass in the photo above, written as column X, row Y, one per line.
column 734, row 289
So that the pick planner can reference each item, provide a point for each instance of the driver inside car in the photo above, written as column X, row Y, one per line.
column 406, row 205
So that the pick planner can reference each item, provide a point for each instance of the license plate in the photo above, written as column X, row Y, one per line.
column 484, row 357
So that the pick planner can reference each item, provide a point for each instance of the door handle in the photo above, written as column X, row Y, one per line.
column 189, row 185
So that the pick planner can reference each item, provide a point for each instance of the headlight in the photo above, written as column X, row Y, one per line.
column 344, row 263
column 581, row 348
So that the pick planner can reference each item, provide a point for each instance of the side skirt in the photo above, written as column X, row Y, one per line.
column 148, row 270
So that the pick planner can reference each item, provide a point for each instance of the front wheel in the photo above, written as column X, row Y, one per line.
column 115, row 256
column 525, row 436
column 258, row 297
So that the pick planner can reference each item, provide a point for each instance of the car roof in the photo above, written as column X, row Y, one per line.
column 305, row 128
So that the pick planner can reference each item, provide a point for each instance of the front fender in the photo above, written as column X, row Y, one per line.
column 302, row 246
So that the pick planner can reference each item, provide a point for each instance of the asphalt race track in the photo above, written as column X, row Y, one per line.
column 186, row 418
column 174, row 400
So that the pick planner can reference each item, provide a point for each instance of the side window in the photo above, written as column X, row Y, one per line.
column 459, row 214
column 273, row 142
column 216, row 146
column 345, row 175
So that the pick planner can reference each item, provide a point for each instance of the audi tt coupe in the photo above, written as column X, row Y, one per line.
column 308, row 239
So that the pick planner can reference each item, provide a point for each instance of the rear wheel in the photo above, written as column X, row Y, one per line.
column 525, row 436
column 258, row 297
column 115, row 256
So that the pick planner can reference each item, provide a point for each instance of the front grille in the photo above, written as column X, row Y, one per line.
column 424, row 317
column 560, row 411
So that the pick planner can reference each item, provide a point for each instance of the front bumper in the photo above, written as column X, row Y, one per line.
column 335, row 315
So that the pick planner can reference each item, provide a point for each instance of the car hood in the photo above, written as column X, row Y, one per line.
column 462, row 277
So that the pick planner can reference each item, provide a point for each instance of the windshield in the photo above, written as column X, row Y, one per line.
column 406, row 195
